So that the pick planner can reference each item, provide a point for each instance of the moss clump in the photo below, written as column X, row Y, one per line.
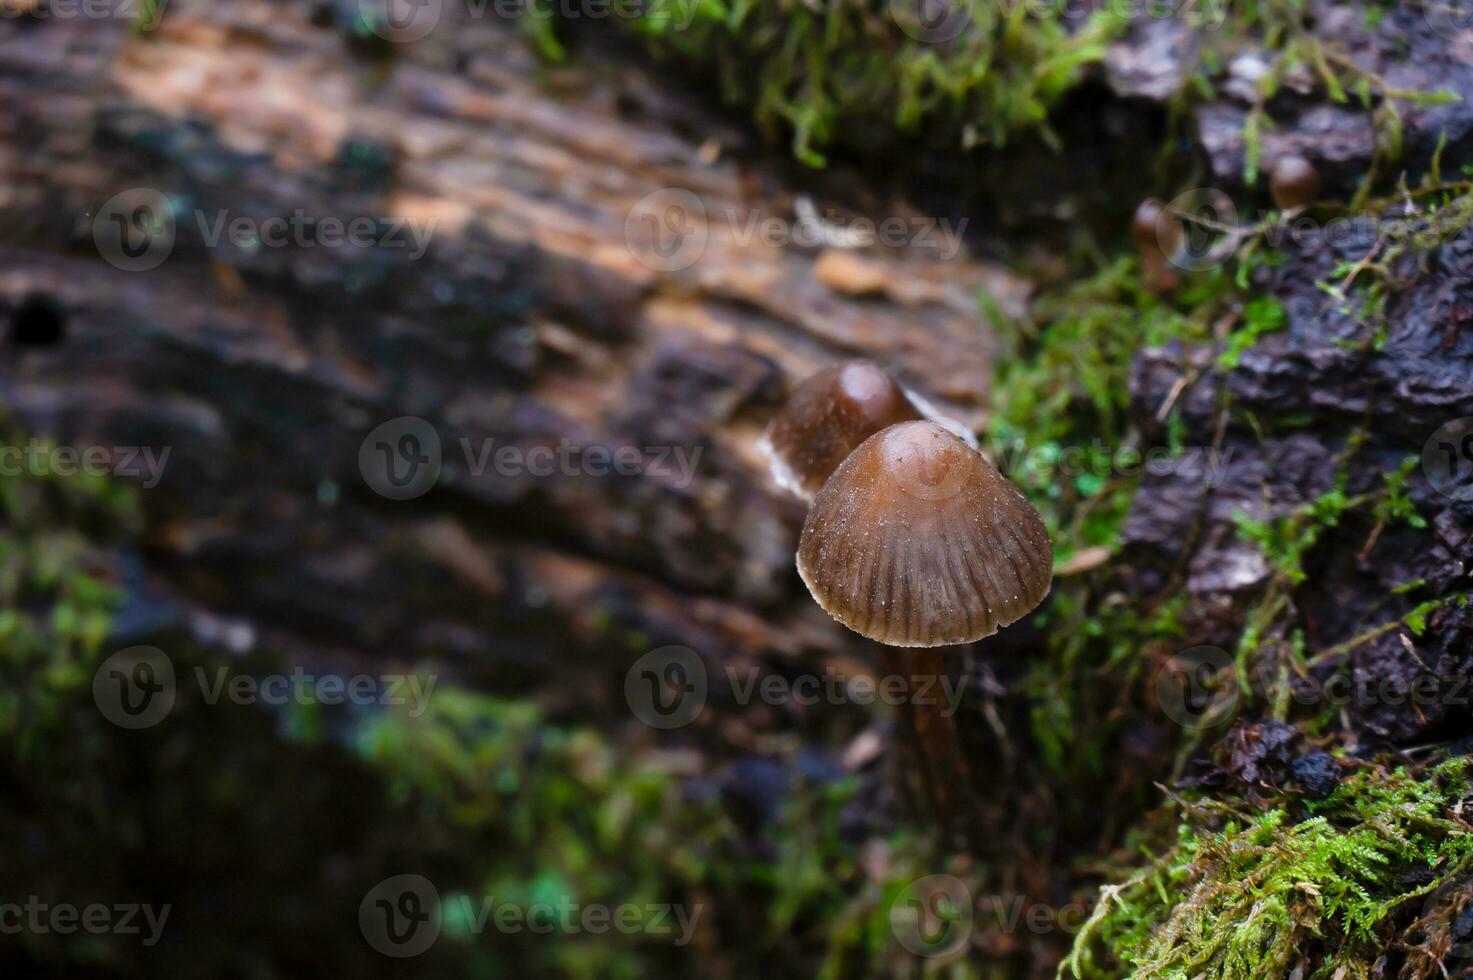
column 56, row 590
column 537, row 812
column 1061, row 430
column 988, row 69
column 1253, row 895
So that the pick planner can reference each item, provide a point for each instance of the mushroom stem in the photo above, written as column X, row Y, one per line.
column 941, row 763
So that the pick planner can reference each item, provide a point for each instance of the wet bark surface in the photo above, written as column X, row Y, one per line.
column 530, row 320
column 1282, row 422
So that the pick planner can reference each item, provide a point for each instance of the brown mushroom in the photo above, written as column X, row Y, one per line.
column 1294, row 182
column 917, row 541
column 827, row 416
column 1158, row 236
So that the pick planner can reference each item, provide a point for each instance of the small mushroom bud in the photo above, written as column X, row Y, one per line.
column 1158, row 236
column 1157, row 231
column 1294, row 182
column 917, row 541
column 827, row 416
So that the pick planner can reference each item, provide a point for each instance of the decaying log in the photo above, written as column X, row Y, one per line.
column 529, row 320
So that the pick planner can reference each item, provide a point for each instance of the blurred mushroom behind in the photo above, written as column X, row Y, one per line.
column 1294, row 182
column 827, row 416
column 917, row 541
column 1158, row 236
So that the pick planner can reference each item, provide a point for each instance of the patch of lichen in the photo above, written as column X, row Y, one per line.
column 818, row 71
column 1320, row 888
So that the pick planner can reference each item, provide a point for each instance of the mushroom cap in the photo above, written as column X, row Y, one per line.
column 918, row 541
column 1293, row 182
column 827, row 416
column 1157, row 231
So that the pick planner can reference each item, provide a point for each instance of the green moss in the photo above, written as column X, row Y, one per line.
column 542, row 811
column 819, row 70
column 1243, row 895
column 56, row 601
column 1261, row 315
column 1284, row 541
column 1060, row 429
